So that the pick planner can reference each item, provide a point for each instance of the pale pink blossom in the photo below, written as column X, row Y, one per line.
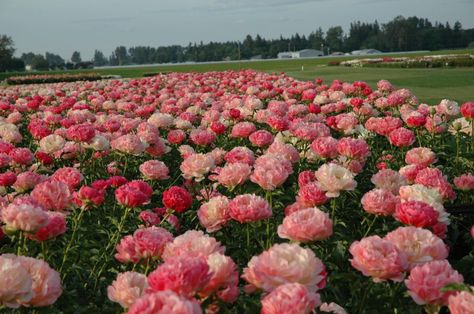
column 334, row 179
column 127, row 288
column 306, row 225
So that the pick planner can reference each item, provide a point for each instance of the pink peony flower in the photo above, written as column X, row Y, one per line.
column 154, row 170
column 425, row 282
column 55, row 226
column 46, row 284
column 15, row 282
column 214, row 214
column 234, row 174
column 184, row 275
column 461, row 303
column 261, row 138
column 290, row 298
column 416, row 213
column 128, row 144
column 419, row 245
column 133, row 194
column 202, row 137
column 52, row 195
column 126, row 250
column 287, row 151
column 402, row 137
column 271, row 171
column 177, row 199
column 68, row 175
column 80, row 133
column 51, row 143
column 379, row 202
column 192, row 243
column 24, row 217
column 389, row 180
column 164, row 302
column 196, row 166
column 334, row 178
column 433, row 178
column 240, row 154
column 224, row 279
column 26, row 181
column 353, row 148
column 243, row 129
column 420, row 156
column 7, row 178
column 306, row 225
column 467, row 110
column 127, row 288
column 285, row 263
column 325, row 147
column 378, row 258
column 311, row 195
column 150, row 242
column 249, row 208
column 464, row 182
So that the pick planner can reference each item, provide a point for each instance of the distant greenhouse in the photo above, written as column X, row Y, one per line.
column 305, row 53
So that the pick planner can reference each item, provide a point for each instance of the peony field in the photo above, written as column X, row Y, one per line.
column 234, row 192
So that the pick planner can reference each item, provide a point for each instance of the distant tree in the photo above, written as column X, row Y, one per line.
column 54, row 61
column 27, row 57
column 76, row 57
column 39, row 63
column 334, row 38
column 121, row 55
column 7, row 61
column 99, row 58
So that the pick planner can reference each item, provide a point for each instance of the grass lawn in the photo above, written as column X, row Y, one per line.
column 430, row 85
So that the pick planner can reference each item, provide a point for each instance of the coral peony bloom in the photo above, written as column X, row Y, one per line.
column 177, row 199
column 129, row 144
column 418, row 192
column 433, row 178
column 425, row 282
column 311, row 195
column 214, row 214
column 15, row 282
column 379, row 202
column 416, row 213
column 464, row 182
column 196, row 166
column 24, row 217
column 164, row 302
column 192, row 243
column 325, row 147
column 461, row 303
column 306, row 225
column 150, row 242
column 234, row 174
column 133, row 194
column 334, row 178
column 420, row 156
column 467, row 110
column 290, row 298
column 261, row 138
column 388, row 179
column 55, row 227
column 154, row 170
column 402, row 137
column 285, row 263
column 127, row 288
column 249, row 208
column 68, row 175
column 419, row 245
column 224, row 279
column 52, row 195
column 378, row 258
column 270, row 171
column 46, row 284
column 184, row 275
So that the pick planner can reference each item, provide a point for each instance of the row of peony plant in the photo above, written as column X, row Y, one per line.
column 111, row 191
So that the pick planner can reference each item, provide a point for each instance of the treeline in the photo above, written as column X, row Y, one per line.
column 400, row 34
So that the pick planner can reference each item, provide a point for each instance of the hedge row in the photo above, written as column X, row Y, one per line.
column 55, row 78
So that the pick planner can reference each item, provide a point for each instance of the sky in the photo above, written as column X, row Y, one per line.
column 62, row 26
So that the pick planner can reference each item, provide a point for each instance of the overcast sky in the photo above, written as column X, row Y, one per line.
column 62, row 26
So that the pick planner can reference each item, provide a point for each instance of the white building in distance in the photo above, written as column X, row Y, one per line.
column 305, row 53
